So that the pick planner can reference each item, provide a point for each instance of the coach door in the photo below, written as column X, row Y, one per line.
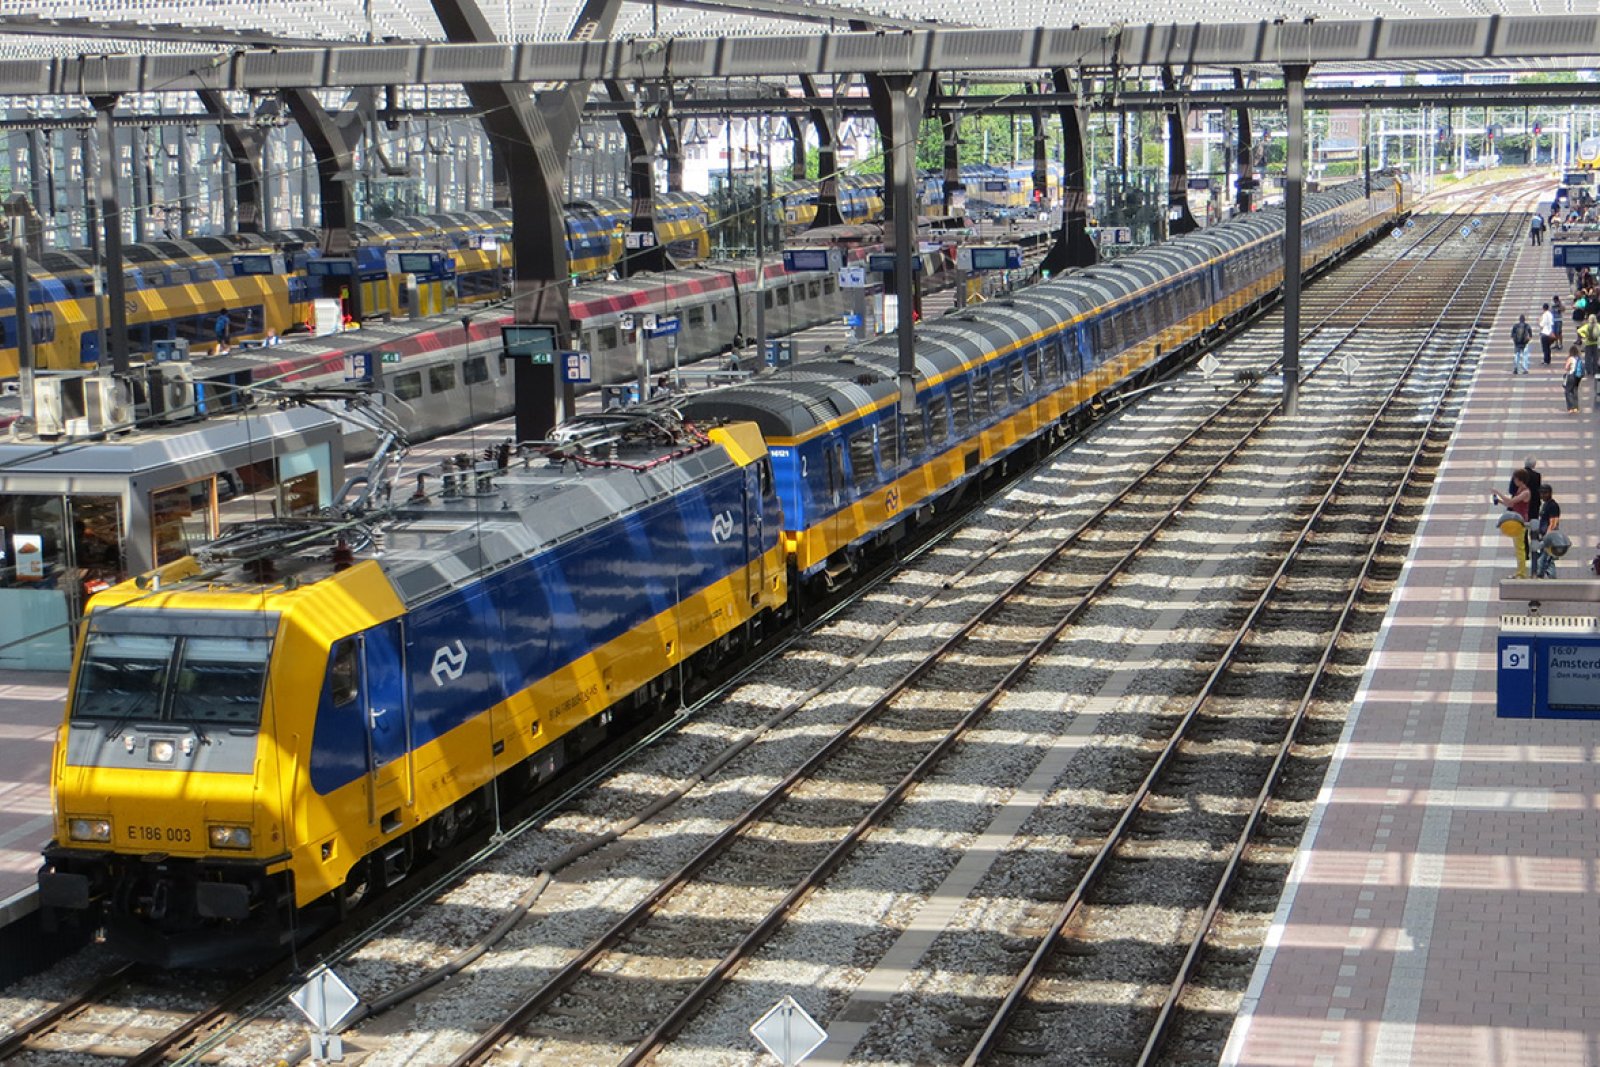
column 757, row 486
column 388, row 735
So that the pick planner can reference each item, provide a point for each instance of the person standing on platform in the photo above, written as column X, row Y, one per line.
column 1531, row 477
column 1571, row 378
column 1536, row 229
column 1589, row 338
column 1521, row 338
column 1547, row 331
column 1514, row 524
column 1547, row 521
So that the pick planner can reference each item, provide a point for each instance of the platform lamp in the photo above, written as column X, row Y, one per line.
column 531, row 348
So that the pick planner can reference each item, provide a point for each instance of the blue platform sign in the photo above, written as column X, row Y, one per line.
column 575, row 367
column 666, row 325
column 1548, row 676
column 1576, row 254
column 358, row 366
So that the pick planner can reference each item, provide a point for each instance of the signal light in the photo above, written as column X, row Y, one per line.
column 1538, row 128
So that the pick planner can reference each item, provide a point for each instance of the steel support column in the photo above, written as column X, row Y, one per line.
column 1294, row 77
column 641, row 134
column 954, row 188
column 797, row 138
column 1041, row 161
column 1074, row 247
column 898, row 99
column 531, row 139
column 826, row 125
column 332, row 141
column 111, row 227
column 1247, row 156
column 244, row 145
column 1180, row 219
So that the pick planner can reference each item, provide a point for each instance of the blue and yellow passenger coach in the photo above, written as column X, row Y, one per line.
column 274, row 730
column 856, row 470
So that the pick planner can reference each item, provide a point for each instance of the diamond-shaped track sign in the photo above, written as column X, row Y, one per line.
column 788, row 1032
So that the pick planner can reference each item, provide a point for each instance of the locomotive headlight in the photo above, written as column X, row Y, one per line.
column 230, row 837
column 98, row 830
column 162, row 750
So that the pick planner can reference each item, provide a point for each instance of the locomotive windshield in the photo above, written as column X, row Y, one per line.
column 194, row 668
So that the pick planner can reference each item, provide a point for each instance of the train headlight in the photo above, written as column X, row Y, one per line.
column 162, row 750
column 97, row 830
column 230, row 837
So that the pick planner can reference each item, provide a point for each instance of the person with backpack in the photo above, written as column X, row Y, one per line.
column 1547, row 521
column 1521, row 338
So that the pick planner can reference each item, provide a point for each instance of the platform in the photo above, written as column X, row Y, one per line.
column 1442, row 908
column 30, row 711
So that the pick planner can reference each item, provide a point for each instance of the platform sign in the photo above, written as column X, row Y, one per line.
column 1576, row 254
column 990, row 257
column 665, row 325
column 358, row 366
column 648, row 321
column 883, row 263
column 803, row 259
column 788, row 1032
column 576, row 367
column 634, row 240
column 536, row 344
column 1549, row 675
column 626, row 322
column 853, row 277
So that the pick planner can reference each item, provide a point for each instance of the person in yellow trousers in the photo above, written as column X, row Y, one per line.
column 1514, row 523
column 1589, row 338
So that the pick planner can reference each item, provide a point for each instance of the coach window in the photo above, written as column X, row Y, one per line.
column 916, row 435
column 608, row 337
column 475, row 370
column 960, row 408
column 697, row 316
column 408, row 386
column 861, row 463
column 938, row 419
column 980, row 397
column 1016, row 388
column 1035, row 362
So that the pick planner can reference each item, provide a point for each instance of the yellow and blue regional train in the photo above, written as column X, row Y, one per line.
column 178, row 289
column 271, row 730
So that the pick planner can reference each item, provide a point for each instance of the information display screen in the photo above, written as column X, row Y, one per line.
column 1572, row 676
column 416, row 262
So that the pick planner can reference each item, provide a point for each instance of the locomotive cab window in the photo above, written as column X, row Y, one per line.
column 197, row 669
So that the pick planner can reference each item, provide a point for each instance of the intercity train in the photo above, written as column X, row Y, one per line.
column 267, row 282
column 267, row 731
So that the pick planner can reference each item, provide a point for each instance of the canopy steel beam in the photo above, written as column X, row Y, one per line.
column 1555, row 94
column 245, row 145
column 332, row 139
column 1073, row 247
column 1535, row 40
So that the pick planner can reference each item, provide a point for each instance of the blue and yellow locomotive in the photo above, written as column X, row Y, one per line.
column 274, row 728
column 289, row 721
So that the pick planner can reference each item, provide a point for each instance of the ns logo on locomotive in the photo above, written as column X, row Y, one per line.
column 258, row 736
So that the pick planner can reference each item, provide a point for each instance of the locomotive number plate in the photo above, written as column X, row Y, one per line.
column 153, row 834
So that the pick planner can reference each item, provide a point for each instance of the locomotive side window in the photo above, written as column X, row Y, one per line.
column 343, row 682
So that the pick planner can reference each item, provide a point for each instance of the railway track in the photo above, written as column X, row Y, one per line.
column 1326, row 339
column 572, row 1009
column 1248, row 711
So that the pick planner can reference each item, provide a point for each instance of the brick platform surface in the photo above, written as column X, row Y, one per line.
column 30, row 711
column 1443, row 908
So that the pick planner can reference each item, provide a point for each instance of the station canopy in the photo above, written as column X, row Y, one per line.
column 69, row 28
